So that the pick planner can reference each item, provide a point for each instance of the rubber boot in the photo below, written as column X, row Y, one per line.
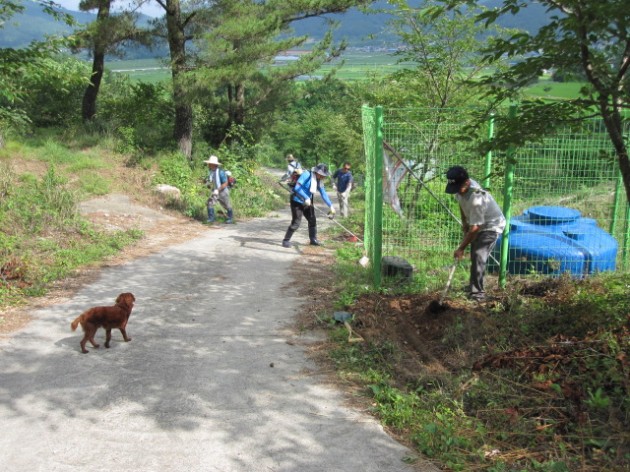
column 286, row 242
column 312, row 235
column 230, row 216
column 210, row 215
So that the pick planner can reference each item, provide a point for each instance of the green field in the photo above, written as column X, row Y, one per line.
column 144, row 70
column 546, row 88
column 353, row 65
column 361, row 65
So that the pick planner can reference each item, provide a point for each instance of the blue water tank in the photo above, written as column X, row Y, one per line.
column 554, row 240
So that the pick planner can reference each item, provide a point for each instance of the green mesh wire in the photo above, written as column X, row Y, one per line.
column 571, row 173
column 572, row 169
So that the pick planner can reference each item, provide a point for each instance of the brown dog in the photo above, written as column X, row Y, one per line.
column 108, row 317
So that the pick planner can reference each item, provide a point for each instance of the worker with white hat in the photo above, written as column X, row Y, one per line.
column 217, row 180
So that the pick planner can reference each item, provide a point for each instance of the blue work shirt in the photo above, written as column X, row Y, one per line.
column 343, row 180
column 302, row 189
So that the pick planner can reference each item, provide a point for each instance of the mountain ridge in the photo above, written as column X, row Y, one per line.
column 357, row 28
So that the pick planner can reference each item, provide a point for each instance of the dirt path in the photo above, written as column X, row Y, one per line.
column 216, row 376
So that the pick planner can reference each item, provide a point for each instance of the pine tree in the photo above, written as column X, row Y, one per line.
column 105, row 36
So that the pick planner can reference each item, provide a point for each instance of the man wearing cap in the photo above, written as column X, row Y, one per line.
column 482, row 222
column 217, row 180
column 302, row 203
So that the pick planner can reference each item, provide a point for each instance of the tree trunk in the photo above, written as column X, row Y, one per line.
column 182, row 131
column 239, row 112
column 98, row 66
column 614, row 126
column 236, row 105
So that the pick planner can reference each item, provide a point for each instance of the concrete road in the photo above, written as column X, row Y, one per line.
column 194, row 390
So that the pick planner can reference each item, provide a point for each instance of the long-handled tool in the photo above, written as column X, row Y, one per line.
column 439, row 306
column 364, row 261
column 448, row 283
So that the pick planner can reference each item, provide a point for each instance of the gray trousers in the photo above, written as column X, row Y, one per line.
column 344, row 206
column 480, row 250
column 223, row 199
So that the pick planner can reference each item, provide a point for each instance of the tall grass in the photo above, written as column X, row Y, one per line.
column 254, row 195
column 42, row 236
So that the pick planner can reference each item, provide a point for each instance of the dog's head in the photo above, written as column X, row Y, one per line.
column 126, row 299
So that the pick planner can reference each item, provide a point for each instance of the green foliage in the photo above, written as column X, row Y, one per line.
column 319, row 135
column 175, row 170
column 20, row 69
column 444, row 50
column 109, row 33
column 437, row 426
column 55, row 86
column 371, row 360
column 584, row 36
column 358, row 279
column 235, row 68
column 94, row 184
column 52, row 151
column 54, row 197
column 321, row 125
column 140, row 115
column 254, row 194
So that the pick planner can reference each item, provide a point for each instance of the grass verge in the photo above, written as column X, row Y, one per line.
column 43, row 238
column 536, row 380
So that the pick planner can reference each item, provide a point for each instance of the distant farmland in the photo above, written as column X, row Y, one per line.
column 353, row 65
column 142, row 70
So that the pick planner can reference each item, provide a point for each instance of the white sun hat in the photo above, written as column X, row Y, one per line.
column 213, row 160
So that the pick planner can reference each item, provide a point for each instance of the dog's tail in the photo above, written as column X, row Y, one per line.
column 76, row 322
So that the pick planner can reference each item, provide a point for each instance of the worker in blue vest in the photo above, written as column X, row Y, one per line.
column 307, row 184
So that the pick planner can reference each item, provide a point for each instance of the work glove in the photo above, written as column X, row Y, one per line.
column 331, row 213
column 215, row 192
column 307, row 203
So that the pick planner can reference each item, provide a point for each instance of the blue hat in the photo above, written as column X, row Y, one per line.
column 321, row 169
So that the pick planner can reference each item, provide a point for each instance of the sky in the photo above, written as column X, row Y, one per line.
column 150, row 9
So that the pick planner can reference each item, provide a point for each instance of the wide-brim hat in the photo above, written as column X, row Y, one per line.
column 321, row 169
column 213, row 160
column 456, row 177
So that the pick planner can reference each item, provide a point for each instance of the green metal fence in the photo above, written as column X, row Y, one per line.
column 563, row 195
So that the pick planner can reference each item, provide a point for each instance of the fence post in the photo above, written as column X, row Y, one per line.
column 507, row 205
column 616, row 203
column 486, row 180
column 377, row 243
column 619, row 192
column 626, row 229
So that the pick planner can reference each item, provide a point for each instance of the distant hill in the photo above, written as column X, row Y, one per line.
column 361, row 29
column 357, row 28
column 33, row 24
